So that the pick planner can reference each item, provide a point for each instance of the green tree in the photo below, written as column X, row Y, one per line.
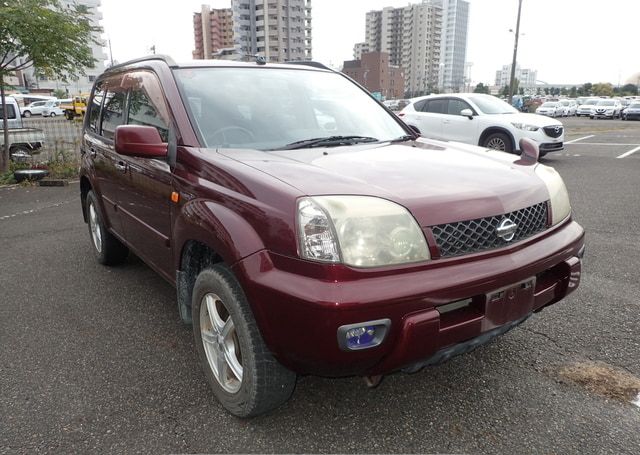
column 54, row 38
column 573, row 93
column 564, row 91
column 630, row 89
column 59, row 93
column 602, row 89
column 481, row 88
column 587, row 88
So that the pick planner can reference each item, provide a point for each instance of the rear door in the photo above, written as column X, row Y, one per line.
column 109, row 169
column 430, row 117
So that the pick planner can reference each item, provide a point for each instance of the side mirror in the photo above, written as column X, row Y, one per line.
column 530, row 152
column 140, row 141
column 415, row 130
column 467, row 113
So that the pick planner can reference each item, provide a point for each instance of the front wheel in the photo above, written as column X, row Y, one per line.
column 498, row 141
column 244, row 376
column 53, row 114
column 26, row 114
column 108, row 249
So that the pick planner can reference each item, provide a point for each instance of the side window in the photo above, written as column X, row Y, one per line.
column 94, row 108
column 11, row 112
column 436, row 106
column 146, row 103
column 457, row 106
column 113, row 108
column 419, row 106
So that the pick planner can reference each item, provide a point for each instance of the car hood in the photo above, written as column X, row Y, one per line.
column 438, row 182
column 532, row 119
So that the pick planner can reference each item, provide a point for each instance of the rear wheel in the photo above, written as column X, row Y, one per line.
column 26, row 114
column 53, row 114
column 108, row 249
column 498, row 141
column 244, row 376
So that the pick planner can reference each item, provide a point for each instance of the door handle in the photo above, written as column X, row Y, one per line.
column 121, row 166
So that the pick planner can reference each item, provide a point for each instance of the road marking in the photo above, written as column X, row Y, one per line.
column 27, row 212
column 579, row 139
column 602, row 143
column 626, row 154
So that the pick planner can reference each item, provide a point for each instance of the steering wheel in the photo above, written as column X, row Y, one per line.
column 222, row 132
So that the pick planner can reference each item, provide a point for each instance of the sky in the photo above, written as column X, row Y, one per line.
column 567, row 41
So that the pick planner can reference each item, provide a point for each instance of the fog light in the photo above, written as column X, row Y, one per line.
column 364, row 335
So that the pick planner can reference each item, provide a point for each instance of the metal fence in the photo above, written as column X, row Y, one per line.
column 58, row 137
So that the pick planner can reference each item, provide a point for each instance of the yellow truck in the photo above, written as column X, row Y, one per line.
column 76, row 108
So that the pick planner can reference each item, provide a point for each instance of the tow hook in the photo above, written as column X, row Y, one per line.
column 373, row 381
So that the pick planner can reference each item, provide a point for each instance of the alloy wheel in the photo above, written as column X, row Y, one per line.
column 497, row 144
column 221, row 343
column 94, row 225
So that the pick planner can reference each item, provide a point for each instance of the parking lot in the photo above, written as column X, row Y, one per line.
column 96, row 359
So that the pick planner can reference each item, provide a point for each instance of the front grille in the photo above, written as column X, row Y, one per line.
column 553, row 131
column 549, row 147
column 465, row 237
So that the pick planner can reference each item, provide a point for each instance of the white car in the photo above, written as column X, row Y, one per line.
column 569, row 106
column 586, row 107
column 484, row 120
column 607, row 108
column 34, row 108
column 551, row 109
column 52, row 108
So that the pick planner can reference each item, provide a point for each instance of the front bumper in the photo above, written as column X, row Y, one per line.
column 300, row 305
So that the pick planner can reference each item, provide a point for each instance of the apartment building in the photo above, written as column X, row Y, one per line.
column 279, row 30
column 526, row 77
column 375, row 71
column 81, row 84
column 453, row 51
column 411, row 36
column 212, row 31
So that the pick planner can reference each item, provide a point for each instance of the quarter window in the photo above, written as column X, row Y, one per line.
column 94, row 108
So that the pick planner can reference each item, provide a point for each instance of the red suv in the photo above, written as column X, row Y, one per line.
column 308, row 230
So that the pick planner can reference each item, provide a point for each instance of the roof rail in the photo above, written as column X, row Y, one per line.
column 310, row 63
column 165, row 58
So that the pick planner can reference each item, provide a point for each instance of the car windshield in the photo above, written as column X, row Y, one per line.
column 606, row 103
column 592, row 101
column 549, row 104
column 272, row 108
column 491, row 105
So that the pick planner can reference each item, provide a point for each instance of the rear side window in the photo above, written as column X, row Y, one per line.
column 146, row 103
column 436, row 107
column 94, row 108
column 114, row 105
column 418, row 106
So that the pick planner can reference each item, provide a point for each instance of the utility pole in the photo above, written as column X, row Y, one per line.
column 110, row 52
column 512, row 81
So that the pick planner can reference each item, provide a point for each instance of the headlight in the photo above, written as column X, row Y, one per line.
column 359, row 231
column 525, row 127
column 560, row 206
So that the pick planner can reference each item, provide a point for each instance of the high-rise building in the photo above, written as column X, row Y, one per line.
column 81, row 84
column 526, row 77
column 213, row 31
column 411, row 36
column 375, row 71
column 359, row 49
column 453, row 50
column 279, row 30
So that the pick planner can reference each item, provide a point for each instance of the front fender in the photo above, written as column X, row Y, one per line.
column 225, row 232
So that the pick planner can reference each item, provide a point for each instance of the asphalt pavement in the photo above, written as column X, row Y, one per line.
column 95, row 359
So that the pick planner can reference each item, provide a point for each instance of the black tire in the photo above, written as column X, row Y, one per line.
column 19, row 153
column 53, row 114
column 493, row 140
column 111, row 251
column 264, row 384
column 26, row 114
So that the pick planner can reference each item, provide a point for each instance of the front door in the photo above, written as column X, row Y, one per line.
column 146, row 201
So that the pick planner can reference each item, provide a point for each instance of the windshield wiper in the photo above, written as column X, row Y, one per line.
column 330, row 141
column 404, row 138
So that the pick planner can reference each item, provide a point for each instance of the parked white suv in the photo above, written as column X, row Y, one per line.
column 34, row 108
column 607, row 108
column 586, row 107
column 52, row 108
column 482, row 120
column 551, row 109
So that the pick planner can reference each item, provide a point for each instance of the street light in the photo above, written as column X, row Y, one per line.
column 512, row 81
